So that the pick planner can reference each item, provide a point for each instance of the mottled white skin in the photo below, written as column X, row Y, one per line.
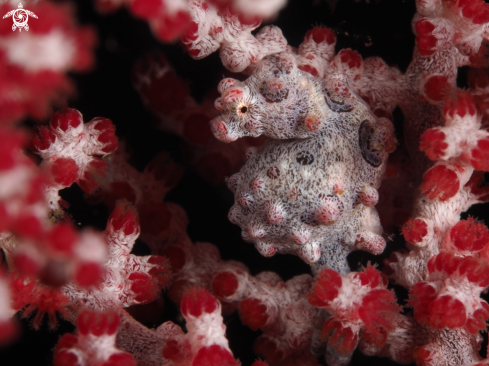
column 283, row 102
column 285, row 184
column 329, row 167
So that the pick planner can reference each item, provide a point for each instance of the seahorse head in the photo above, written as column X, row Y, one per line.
column 241, row 111
column 275, row 101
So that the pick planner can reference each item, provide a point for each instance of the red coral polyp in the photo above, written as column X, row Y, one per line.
column 421, row 294
column 44, row 138
column 425, row 40
column 94, row 344
column 176, row 351
column 253, row 313
column 176, row 257
column 89, row 274
column 10, row 145
column 224, row 284
column 96, row 323
column 476, row 10
column 374, row 308
column 197, row 301
column 66, row 119
column 107, row 134
column 325, row 288
column 146, row 9
column 120, row 359
column 437, row 304
column 469, row 235
column 436, row 87
column 371, row 277
column 351, row 58
column 344, row 339
column 322, row 34
column 214, row 355
column 440, row 182
column 480, row 155
column 125, row 218
column 446, row 312
column 433, row 143
column 415, row 230
column 142, row 286
column 268, row 349
column 461, row 104
column 61, row 238
column 64, row 171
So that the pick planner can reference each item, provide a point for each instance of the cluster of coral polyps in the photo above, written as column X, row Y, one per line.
column 93, row 344
column 172, row 19
column 34, row 64
column 309, row 190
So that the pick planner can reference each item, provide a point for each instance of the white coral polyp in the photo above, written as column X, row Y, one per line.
column 54, row 51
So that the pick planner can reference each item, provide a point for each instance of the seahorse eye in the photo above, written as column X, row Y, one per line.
column 242, row 110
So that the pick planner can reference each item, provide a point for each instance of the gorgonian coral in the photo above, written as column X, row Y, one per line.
column 302, row 136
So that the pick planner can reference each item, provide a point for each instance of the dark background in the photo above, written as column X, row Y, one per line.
column 377, row 28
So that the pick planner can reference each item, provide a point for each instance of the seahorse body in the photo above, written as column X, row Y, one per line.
column 310, row 190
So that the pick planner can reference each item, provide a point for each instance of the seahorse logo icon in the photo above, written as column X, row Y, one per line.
column 20, row 17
